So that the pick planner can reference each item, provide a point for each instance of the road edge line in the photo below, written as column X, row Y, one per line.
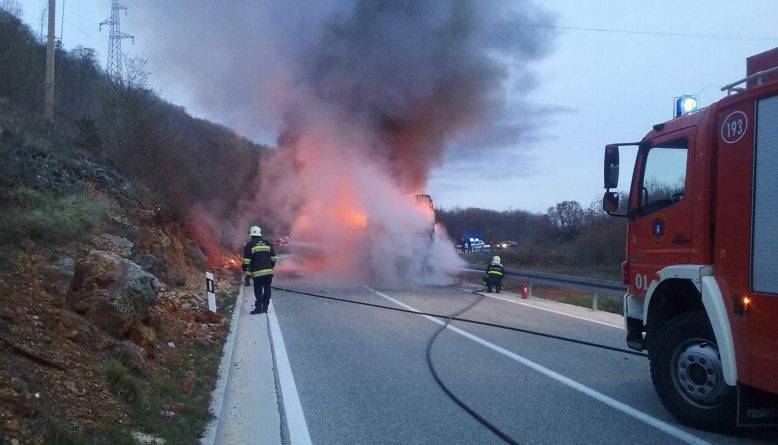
column 546, row 309
column 295, row 418
column 218, row 400
column 567, row 381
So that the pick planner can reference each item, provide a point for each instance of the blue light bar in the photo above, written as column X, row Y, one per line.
column 685, row 104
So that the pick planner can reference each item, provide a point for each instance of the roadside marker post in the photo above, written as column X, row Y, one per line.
column 211, row 289
column 524, row 291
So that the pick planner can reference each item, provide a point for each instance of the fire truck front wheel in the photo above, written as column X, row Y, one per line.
column 687, row 373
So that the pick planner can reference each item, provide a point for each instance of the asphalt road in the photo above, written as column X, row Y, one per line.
column 362, row 376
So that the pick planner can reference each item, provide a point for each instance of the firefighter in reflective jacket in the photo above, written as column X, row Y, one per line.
column 494, row 274
column 259, row 258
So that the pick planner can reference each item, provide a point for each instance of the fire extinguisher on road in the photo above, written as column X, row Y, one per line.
column 524, row 291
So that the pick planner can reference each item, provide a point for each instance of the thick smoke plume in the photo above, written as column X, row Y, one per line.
column 365, row 97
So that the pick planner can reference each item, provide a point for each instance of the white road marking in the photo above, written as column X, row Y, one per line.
column 613, row 403
column 546, row 309
column 295, row 419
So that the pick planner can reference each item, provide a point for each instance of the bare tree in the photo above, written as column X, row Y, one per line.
column 135, row 75
column 567, row 217
column 12, row 7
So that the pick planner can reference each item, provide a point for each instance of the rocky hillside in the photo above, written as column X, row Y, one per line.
column 104, row 336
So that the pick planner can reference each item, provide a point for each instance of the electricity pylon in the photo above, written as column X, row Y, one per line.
column 115, row 37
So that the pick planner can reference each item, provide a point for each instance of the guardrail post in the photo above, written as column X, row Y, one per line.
column 594, row 301
column 529, row 289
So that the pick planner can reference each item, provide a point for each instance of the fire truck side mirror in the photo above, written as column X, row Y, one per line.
column 610, row 204
column 611, row 167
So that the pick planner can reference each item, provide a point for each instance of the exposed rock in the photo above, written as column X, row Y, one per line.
column 147, row 262
column 132, row 356
column 154, row 321
column 165, row 271
column 119, row 245
column 73, row 327
column 147, row 439
column 176, row 278
column 58, row 281
column 135, row 233
column 112, row 291
column 19, row 385
column 143, row 336
column 194, row 252
column 66, row 268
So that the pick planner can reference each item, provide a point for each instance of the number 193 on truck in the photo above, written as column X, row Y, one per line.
column 702, row 252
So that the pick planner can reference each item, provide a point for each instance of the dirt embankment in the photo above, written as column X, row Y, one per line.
column 104, row 333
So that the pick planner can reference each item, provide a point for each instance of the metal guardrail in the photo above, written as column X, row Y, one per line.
column 595, row 285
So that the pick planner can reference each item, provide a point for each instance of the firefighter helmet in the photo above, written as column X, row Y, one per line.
column 495, row 259
column 255, row 231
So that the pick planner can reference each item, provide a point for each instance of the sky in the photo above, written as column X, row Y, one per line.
column 595, row 87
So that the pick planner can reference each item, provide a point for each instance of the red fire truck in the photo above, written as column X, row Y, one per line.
column 702, row 252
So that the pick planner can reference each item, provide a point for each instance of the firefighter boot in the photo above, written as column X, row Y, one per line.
column 257, row 310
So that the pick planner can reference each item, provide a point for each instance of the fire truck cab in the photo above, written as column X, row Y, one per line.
column 702, row 252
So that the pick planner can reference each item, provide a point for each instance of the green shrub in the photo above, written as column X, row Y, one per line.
column 122, row 383
column 25, row 198
column 44, row 218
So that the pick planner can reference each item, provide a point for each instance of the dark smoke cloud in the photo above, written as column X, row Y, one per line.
column 414, row 73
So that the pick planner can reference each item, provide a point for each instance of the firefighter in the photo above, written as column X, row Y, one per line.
column 259, row 258
column 494, row 274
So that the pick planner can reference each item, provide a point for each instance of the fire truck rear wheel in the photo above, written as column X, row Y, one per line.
column 687, row 374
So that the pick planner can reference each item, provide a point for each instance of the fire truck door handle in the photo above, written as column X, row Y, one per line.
column 680, row 239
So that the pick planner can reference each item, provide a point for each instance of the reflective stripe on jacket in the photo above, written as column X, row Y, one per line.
column 496, row 270
column 259, row 258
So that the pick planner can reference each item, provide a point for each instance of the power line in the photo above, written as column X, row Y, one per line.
column 79, row 29
column 652, row 33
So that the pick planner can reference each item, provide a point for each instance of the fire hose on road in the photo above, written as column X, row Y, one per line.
column 456, row 317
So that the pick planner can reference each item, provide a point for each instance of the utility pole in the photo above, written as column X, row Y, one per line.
column 48, row 106
column 115, row 37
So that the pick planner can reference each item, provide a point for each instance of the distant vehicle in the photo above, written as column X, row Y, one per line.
column 702, row 255
column 505, row 244
column 477, row 244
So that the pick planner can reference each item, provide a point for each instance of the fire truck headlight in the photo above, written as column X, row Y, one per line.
column 685, row 104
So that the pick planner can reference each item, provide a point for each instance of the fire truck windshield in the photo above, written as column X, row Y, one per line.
column 664, row 176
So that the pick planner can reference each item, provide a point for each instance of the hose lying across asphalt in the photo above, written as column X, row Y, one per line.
column 455, row 317
column 468, row 320
column 448, row 391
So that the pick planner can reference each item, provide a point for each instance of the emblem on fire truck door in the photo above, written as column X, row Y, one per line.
column 658, row 229
column 734, row 127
